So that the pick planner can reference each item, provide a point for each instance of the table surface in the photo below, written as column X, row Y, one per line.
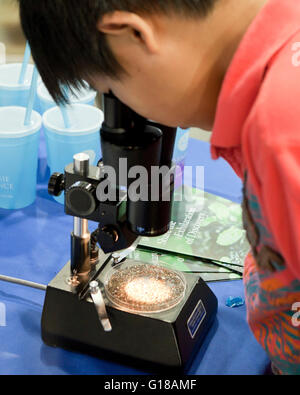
column 34, row 246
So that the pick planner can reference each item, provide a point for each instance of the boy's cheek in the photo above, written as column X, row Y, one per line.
column 99, row 84
column 145, row 98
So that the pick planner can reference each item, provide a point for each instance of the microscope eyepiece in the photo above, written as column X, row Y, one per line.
column 118, row 117
column 137, row 142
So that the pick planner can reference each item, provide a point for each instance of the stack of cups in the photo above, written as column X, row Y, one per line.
column 12, row 92
column 19, row 134
column 68, row 131
column 19, row 157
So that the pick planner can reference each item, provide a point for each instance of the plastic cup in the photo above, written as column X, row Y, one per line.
column 82, row 136
column 18, row 157
column 83, row 96
column 11, row 92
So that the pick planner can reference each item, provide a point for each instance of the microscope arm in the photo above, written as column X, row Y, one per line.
column 124, row 136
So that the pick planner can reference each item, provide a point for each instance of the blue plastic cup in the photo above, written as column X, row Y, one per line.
column 82, row 96
column 18, row 157
column 11, row 92
column 82, row 136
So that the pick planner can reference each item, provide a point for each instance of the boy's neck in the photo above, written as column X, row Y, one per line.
column 228, row 25
column 240, row 16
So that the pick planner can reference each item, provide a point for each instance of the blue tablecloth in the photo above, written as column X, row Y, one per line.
column 34, row 245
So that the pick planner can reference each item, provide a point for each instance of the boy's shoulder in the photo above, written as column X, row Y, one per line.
column 276, row 113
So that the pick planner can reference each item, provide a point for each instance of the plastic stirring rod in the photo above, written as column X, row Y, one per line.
column 32, row 96
column 65, row 117
column 25, row 64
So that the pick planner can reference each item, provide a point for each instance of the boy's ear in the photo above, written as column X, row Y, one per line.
column 138, row 29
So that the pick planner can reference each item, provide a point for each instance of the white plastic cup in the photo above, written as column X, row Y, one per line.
column 18, row 157
column 82, row 136
column 83, row 96
column 11, row 92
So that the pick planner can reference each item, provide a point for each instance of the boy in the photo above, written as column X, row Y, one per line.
column 223, row 65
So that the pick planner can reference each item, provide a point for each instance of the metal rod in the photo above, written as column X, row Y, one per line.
column 81, row 227
column 80, row 238
column 81, row 167
column 81, row 164
column 23, row 282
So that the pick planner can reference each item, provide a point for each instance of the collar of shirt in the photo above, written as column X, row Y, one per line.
column 276, row 23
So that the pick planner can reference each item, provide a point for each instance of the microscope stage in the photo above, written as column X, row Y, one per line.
column 167, row 339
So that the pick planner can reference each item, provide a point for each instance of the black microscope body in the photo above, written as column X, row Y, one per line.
column 77, row 315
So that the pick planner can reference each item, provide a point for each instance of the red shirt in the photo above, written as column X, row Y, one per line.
column 257, row 130
column 257, row 126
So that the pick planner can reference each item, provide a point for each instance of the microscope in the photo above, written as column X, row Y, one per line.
column 103, row 302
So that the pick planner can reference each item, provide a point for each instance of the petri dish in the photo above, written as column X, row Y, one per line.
column 144, row 288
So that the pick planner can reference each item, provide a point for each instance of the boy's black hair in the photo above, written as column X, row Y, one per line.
column 66, row 45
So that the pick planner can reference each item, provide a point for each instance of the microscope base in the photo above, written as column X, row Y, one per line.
column 166, row 340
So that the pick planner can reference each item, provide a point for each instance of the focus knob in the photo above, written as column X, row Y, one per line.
column 81, row 199
column 56, row 184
